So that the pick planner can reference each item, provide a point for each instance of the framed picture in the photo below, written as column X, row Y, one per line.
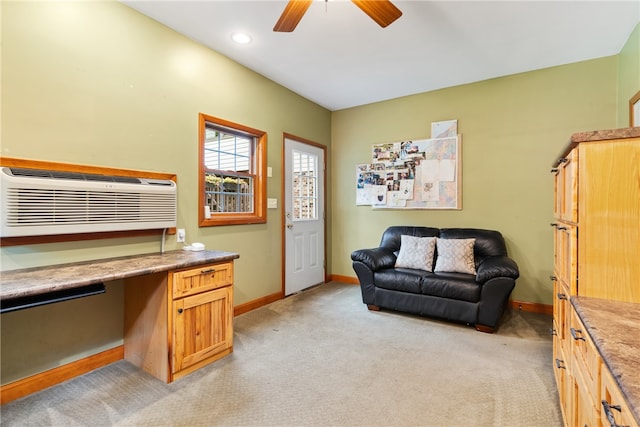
column 634, row 110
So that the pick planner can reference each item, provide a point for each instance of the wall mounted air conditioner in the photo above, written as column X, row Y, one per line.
column 39, row 202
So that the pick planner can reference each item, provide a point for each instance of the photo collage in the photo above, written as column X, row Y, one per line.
column 420, row 174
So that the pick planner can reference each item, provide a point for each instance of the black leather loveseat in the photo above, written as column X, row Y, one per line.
column 477, row 298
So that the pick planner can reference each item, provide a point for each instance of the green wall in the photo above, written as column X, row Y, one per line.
column 628, row 75
column 512, row 130
column 97, row 83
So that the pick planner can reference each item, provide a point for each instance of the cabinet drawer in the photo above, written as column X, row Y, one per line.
column 614, row 410
column 201, row 279
column 585, row 356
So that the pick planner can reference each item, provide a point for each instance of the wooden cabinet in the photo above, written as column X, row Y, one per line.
column 179, row 321
column 596, row 248
column 202, row 314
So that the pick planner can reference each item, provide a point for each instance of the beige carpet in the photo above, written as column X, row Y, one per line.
column 320, row 358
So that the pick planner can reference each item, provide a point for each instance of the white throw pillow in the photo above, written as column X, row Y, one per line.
column 416, row 252
column 455, row 256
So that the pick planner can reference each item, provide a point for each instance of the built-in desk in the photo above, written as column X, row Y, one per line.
column 178, row 305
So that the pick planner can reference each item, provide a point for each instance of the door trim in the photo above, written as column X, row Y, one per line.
column 283, row 221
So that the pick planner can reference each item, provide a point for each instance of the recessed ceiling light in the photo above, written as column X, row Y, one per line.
column 241, row 38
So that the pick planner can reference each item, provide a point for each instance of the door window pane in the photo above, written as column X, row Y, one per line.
column 305, row 186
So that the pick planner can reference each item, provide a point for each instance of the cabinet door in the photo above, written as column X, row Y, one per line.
column 558, row 191
column 586, row 407
column 202, row 327
column 561, row 374
column 560, row 305
column 609, row 217
column 615, row 410
column 570, row 194
column 201, row 279
column 566, row 188
column 585, row 356
column 566, row 255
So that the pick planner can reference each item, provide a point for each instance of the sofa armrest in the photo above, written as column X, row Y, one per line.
column 496, row 266
column 376, row 258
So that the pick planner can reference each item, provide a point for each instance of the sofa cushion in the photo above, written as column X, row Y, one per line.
column 488, row 242
column 458, row 286
column 455, row 256
column 400, row 279
column 392, row 235
column 416, row 252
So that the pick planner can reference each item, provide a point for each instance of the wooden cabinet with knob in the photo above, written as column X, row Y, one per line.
column 202, row 316
column 596, row 244
column 179, row 321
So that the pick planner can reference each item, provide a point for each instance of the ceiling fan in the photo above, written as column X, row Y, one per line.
column 381, row 11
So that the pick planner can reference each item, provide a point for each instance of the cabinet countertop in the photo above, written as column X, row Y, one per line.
column 614, row 328
column 597, row 135
column 42, row 280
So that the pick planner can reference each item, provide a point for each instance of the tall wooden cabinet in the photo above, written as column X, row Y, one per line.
column 178, row 321
column 596, row 253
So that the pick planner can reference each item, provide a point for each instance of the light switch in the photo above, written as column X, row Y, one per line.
column 269, row 172
column 272, row 203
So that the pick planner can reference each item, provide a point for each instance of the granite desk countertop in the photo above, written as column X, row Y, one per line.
column 614, row 328
column 42, row 280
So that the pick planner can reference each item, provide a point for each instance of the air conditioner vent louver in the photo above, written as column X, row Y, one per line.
column 40, row 202
column 38, row 173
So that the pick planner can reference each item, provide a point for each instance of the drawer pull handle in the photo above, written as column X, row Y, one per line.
column 562, row 228
column 208, row 270
column 554, row 170
column 560, row 364
column 607, row 410
column 574, row 334
column 553, row 278
column 180, row 311
column 553, row 224
column 562, row 296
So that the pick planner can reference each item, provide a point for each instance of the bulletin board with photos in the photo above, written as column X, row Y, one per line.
column 414, row 174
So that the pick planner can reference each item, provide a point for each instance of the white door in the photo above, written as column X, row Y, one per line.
column 303, row 215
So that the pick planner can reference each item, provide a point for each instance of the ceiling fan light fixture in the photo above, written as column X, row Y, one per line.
column 241, row 38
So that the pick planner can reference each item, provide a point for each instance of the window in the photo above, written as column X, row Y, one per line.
column 232, row 166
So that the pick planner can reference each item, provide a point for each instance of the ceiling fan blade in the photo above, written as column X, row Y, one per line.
column 381, row 11
column 292, row 14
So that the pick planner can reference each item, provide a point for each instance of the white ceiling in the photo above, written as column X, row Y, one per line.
column 339, row 58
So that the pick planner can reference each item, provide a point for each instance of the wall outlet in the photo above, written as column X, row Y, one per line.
column 180, row 235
